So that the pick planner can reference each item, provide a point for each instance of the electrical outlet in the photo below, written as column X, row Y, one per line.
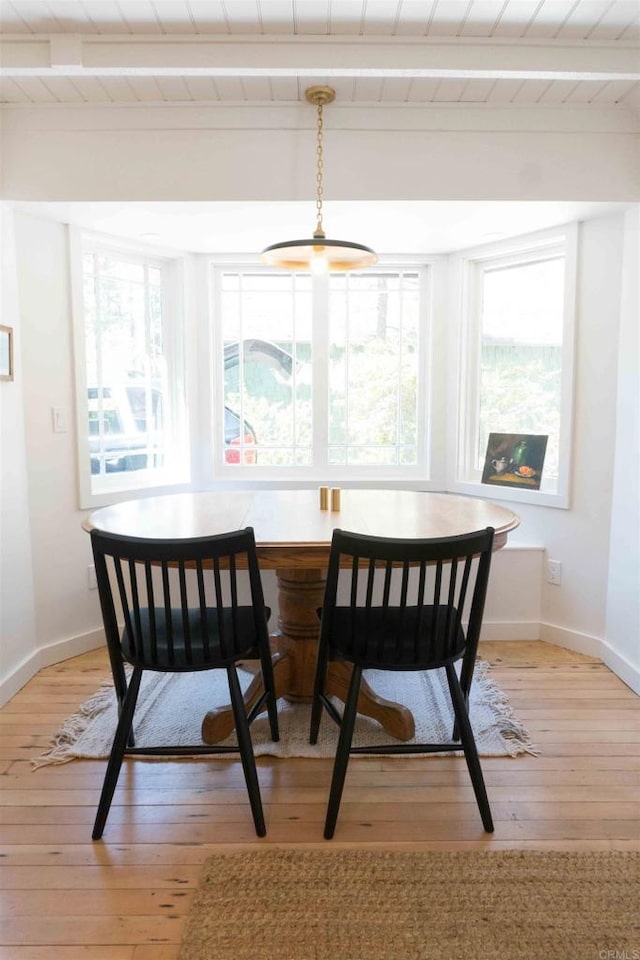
column 554, row 572
column 91, row 577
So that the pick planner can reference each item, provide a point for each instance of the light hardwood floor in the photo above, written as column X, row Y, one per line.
column 126, row 897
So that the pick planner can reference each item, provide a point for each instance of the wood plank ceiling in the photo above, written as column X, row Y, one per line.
column 594, row 46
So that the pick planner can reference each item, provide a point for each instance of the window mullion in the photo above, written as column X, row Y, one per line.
column 429, row 317
column 148, row 360
column 347, row 358
column 475, row 356
column 399, row 376
column 97, row 286
column 469, row 370
column 241, row 319
column 294, row 384
column 320, row 374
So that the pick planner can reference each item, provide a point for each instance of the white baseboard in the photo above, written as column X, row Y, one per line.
column 622, row 667
column 72, row 647
column 45, row 657
column 572, row 640
column 491, row 630
column 628, row 672
column 593, row 647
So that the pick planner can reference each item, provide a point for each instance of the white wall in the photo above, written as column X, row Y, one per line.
column 574, row 612
column 60, row 619
column 622, row 628
column 160, row 154
column 243, row 153
column 17, row 604
column 519, row 602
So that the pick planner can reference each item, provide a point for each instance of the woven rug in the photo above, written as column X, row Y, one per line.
column 378, row 905
column 171, row 708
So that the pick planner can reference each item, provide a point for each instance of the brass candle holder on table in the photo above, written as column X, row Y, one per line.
column 335, row 498
column 324, row 498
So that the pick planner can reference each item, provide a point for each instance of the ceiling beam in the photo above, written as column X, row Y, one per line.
column 213, row 56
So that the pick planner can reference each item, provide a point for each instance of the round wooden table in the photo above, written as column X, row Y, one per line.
column 293, row 537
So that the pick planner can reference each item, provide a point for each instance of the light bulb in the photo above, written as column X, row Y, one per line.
column 319, row 262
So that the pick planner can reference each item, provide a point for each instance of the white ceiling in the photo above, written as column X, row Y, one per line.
column 593, row 20
column 523, row 52
column 430, row 227
column 548, row 57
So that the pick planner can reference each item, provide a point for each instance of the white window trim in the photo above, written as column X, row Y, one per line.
column 443, row 429
column 462, row 393
column 322, row 472
column 129, row 487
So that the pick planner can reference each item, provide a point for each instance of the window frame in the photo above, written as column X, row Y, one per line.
column 195, row 351
column 467, row 269
column 320, row 470
column 135, row 484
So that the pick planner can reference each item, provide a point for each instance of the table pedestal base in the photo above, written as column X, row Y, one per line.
column 294, row 662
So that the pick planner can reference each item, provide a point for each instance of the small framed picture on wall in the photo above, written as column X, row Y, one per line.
column 6, row 353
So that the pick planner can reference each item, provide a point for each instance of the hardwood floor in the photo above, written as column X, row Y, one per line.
column 126, row 897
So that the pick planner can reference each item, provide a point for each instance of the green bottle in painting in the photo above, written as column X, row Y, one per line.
column 520, row 454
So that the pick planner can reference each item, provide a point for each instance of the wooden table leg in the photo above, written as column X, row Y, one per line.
column 396, row 719
column 300, row 595
column 219, row 724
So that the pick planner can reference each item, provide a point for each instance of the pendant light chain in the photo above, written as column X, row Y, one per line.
column 318, row 253
column 319, row 232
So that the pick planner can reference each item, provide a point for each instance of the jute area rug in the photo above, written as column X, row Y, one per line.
column 171, row 708
column 376, row 905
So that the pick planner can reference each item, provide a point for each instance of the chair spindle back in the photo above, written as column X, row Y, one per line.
column 174, row 596
column 405, row 601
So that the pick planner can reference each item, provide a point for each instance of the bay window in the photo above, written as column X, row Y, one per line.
column 366, row 377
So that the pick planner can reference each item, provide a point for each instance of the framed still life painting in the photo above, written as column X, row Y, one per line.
column 6, row 353
column 515, row 460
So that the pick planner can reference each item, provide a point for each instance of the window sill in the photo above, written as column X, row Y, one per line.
column 487, row 491
column 118, row 492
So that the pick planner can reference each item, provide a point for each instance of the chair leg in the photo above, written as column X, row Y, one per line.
column 270, row 687
column 119, row 675
column 120, row 686
column 131, row 740
column 318, row 689
column 246, row 750
column 342, row 752
column 123, row 733
column 470, row 749
column 466, row 675
column 466, row 678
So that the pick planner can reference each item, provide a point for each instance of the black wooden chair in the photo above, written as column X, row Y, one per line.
column 173, row 606
column 405, row 604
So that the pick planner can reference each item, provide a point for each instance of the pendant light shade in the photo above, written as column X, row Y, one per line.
column 318, row 253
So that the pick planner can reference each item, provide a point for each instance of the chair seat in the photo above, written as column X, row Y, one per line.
column 238, row 629
column 390, row 639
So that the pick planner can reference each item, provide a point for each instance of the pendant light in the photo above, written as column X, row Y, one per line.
column 318, row 253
